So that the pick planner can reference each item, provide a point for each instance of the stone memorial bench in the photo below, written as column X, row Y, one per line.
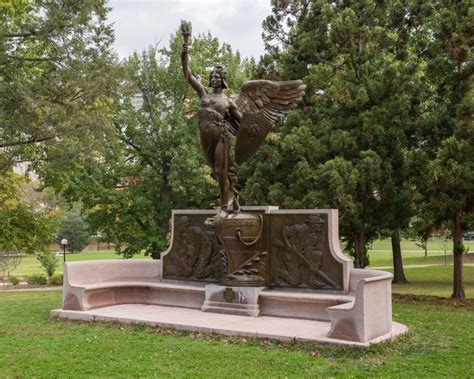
column 96, row 284
column 362, row 314
column 369, row 314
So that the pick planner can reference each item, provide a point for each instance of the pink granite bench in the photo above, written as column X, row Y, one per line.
column 96, row 284
column 369, row 314
column 362, row 314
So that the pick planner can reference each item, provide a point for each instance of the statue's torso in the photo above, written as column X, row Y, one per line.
column 213, row 108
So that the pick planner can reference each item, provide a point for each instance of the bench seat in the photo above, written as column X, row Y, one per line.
column 97, row 284
column 362, row 314
column 297, row 304
column 369, row 315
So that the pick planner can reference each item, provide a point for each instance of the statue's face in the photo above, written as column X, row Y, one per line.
column 216, row 80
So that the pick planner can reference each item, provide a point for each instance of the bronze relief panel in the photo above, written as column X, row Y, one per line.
column 300, row 253
column 195, row 251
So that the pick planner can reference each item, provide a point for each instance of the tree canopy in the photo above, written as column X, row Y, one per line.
column 23, row 229
column 158, row 165
column 57, row 75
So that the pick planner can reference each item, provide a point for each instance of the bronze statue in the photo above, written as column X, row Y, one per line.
column 250, row 118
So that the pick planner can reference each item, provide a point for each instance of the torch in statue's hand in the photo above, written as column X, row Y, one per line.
column 186, row 30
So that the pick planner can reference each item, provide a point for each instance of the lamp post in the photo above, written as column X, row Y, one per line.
column 64, row 243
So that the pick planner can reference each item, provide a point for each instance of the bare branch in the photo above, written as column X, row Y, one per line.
column 26, row 142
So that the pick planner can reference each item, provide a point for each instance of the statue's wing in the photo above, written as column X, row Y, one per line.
column 262, row 103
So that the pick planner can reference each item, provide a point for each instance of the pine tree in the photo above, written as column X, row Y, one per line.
column 347, row 148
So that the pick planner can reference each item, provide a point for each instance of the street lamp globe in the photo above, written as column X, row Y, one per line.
column 64, row 243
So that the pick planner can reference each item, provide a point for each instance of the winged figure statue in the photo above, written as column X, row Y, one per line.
column 249, row 117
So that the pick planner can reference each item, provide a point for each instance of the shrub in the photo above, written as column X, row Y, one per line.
column 56, row 280
column 14, row 280
column 48, row 262
column 37, row 279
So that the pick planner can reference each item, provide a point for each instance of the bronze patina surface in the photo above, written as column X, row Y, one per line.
column 195, row 252
column 300, row 253
column 246, row 248
column 287, row 250
column 249, row 117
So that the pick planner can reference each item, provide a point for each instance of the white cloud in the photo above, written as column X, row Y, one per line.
column 141, row 23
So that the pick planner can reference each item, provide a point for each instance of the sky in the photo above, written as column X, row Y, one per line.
column 141, row 23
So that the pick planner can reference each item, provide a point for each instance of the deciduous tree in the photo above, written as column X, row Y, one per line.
column 57, row 76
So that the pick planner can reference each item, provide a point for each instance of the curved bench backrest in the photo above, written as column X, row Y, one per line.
column 105, row 270
column 358, row 274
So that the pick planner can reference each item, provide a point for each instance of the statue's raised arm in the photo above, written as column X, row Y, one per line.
column 186, row 32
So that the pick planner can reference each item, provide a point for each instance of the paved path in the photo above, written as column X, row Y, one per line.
column 55, row 288
column 417, row 266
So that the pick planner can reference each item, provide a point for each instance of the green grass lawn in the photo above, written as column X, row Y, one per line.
column 434, row 281
column 29, row 264
column 439, row 344
column 381, row 253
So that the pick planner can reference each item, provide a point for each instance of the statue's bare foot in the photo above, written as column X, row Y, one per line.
column 223, row 212
column 236, row 205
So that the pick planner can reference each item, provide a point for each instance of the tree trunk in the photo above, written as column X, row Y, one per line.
column 165, row 200
column 398, row 273
column 359, row 246
column 155, row 251
column 458, row 249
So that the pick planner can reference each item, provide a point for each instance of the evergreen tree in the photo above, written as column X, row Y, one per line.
column 348, row 147
column 446, row 134
column 75, row 230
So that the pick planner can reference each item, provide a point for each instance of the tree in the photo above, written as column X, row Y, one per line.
column 75, row 230
column 23, row 229
column 348, row 147
column 446, row 134
column 57, row 76
column 8, row 262
column 157, row 165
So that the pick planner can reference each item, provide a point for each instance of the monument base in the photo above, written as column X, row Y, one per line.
column 241, row 301
column 313, row 293
column 193, row 320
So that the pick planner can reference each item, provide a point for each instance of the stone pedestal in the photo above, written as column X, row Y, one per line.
column 242, row 301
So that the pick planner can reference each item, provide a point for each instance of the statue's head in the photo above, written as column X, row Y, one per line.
column 315, row 222
column 218, row 76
